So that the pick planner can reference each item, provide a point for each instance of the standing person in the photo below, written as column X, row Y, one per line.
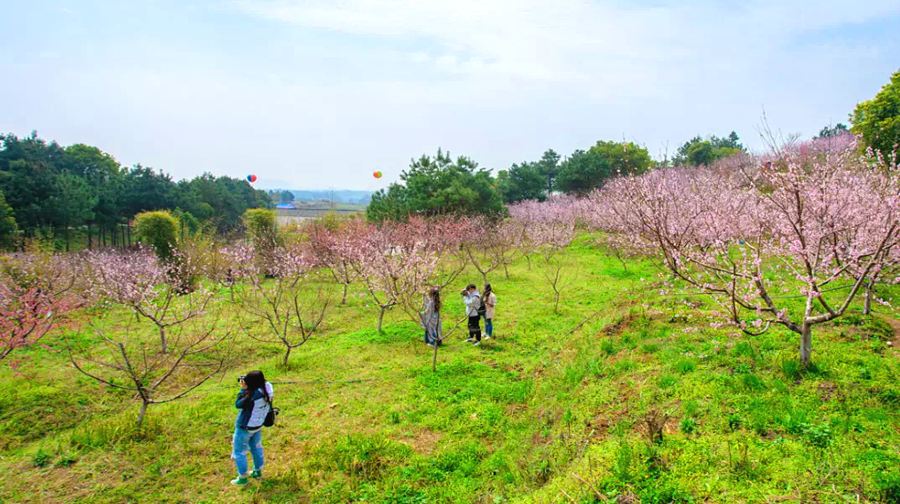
column 489, row 300
column 254, row 402
column 473, row 302
column 431, row 317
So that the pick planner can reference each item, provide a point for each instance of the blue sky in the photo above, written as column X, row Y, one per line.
column 318, row 93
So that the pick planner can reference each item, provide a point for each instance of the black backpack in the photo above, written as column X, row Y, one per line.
column 272, row 414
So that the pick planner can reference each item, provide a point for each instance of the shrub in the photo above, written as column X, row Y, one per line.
column 888, row 485
column 159, row 230
column 260, row 226
column 688, row 425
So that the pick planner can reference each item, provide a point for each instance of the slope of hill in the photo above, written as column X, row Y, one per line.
column 628, row 392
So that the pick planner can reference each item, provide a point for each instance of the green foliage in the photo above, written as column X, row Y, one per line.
column 530, row 180
column 705, row 151
column 49, row 186
column 585, row 171
column 522, row 182
column 9, row 230
column 833, row 131
column 285, row 197
column 878, row 119
column 260, row 225
column 515, row 420
column 159, row 230
column 438, row 185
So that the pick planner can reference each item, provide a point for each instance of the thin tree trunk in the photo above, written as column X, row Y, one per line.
column 434, row 356
column 381, row 317
column 140, row 419
column 162, row 339
column 344, row 295
column 867, row 303
column 805, row 345
column 506, row 270
column 287, row 355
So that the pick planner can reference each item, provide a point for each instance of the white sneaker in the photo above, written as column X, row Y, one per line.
column 476, row 343
column 487, row 337
column 469, row 340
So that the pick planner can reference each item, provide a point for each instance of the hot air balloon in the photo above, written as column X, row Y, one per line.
column 251, row 178
column 377, row 174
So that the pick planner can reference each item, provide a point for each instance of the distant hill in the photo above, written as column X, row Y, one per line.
column 338, row 196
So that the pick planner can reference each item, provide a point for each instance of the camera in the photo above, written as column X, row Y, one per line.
column 241, row 378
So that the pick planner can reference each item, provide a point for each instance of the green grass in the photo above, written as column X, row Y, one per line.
column 538, row 414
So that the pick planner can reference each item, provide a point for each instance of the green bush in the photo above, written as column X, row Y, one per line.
column 260, row 226
column 8, row 228
column 159, row 230
column 262, row 230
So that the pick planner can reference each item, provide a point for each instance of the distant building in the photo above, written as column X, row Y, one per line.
column 285, row 206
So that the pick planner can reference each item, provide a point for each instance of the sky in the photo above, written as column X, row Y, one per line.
column 320, row 93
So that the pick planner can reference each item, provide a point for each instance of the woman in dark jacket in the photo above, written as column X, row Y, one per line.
column 254, row 402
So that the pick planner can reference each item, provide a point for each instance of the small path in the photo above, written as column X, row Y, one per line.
column 895, row 325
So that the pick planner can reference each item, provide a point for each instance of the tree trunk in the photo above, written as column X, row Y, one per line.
column 867, row 302
column 287, row 355
column 805, row 345
column 381, row 317
column 506, row 270
column 344, row 295
column 555, row 300
column 434, row 356
column 140, row 419
column 162, row 339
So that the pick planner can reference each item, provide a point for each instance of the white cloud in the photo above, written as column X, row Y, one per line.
column 319, row 92
column 605, row 45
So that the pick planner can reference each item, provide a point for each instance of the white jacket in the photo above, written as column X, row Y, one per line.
column 473, row 302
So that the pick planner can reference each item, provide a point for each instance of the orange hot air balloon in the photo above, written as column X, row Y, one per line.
column 377, row 174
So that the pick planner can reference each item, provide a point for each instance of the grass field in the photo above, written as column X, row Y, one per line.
column 556, row 408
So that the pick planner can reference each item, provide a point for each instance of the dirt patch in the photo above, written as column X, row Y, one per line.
column 895, row 326
column 826, row 390
column 424, row 441
column 618, row 326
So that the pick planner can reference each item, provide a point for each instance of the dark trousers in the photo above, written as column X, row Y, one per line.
column 475, row 327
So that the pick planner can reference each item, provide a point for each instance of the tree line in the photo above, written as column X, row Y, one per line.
column 50, row 190
column 441, row 184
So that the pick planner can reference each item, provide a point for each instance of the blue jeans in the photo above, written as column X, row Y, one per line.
column 489, row 326
column 244, row 441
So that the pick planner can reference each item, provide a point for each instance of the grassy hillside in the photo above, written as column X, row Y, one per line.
column 557, row 408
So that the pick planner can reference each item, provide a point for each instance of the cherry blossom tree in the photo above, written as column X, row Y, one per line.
column 548, row 228
column 153, row 290
column 491, row 245
column 127, row 361
column 36, row 292
column 813, row 220
column 289, row 305
column 329, row 246
column 395, row 264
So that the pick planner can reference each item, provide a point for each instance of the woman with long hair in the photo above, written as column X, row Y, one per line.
column 489, row 299
column 431, row 317
column 254, row 401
